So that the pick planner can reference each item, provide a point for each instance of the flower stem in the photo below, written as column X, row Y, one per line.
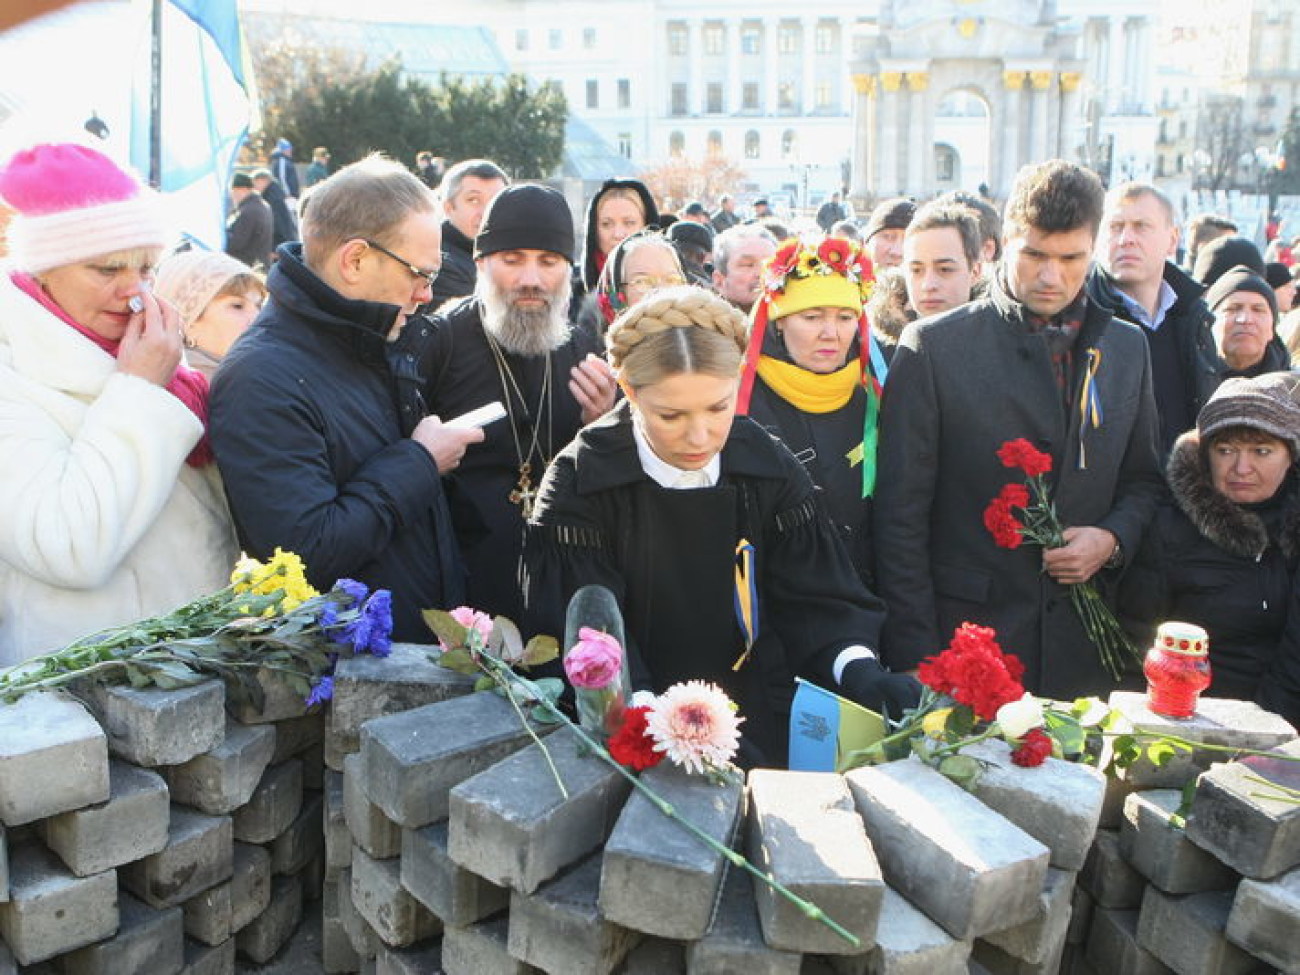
column 510, row 696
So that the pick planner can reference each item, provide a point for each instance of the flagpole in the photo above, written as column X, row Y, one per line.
column 155, row 96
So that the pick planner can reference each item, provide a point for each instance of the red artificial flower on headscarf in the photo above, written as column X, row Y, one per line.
column 974, row 671
column 783, row 261
column 631, row 745
column 1020, row 453
column 1004, row 526
column 1034, row 749
column 835, row 252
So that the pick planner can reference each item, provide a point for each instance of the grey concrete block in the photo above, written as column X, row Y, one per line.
column 511, row 823
column 293, row 849
column 199, row 854
column 4, row 870
column 379, row 897
column 1082, row 906
column 1108, row 877
column 964, row 865
column 365, row 942
column 280, row 701
column 657, row 877
column 456, row 895
column 7, row 964
column 1161, row 851
column 734, row 941
column 1187, row 933
column 561, row 929
column 150, row 726
column 221, row 911
column 337, row 953
column 1249, row 826
column 805, row 831
column 655, row 956
column 131, row 824
column 424, row 958
column 1265, row 920
column 148, row 942
column 909, row 943
column 266, row 934
column 222, row 779
column 367, row 687
column 991, row 960
column 293, row 736
column 413, row 759
column 1218, row 721
column 313, row 766
column 338, row 838
column 274, row 805
column 1039, row 939
column 481, row 949
column 370, row 828
column 53, row 758
column 50, row 911
column 1112, row 946
column 1058, row 803
column 201, row 959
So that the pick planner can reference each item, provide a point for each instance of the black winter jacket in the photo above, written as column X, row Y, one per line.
column 311, row 435
column 459, row 273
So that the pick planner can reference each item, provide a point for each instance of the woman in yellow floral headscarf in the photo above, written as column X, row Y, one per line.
column 813, row 375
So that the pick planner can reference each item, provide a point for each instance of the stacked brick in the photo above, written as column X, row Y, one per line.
column 151, row 831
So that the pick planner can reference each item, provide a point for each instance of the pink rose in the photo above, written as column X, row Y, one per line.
column 472, row 619
column 595, row 661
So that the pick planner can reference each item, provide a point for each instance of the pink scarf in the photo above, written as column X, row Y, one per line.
column 187, row 385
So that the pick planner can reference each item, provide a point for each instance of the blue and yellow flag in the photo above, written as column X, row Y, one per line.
column 824, row 727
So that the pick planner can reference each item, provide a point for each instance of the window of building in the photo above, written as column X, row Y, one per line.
column 824, row 95
column 521, row 39
column 624, row 93
column 593, row 93
column 625, row 145
column 789, row 145
column 676, row 144
column 751, row 40
column 555, row 38
column 713, row 38
column 785, row 96
column 714, row 144
column 678, row 98
column 1182, row 129
column 1160, row 165
column 677, row 38
column 945, row 163
column 787, row 39
column 825, row 38
column 1180, row 162
column 589, row 37
column 751, row 144
column 713, row 98
column 749, row 96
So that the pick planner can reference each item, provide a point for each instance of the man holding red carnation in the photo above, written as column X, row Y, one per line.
column 1034, row 362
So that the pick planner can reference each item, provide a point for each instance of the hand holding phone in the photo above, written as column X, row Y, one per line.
column 480, row 417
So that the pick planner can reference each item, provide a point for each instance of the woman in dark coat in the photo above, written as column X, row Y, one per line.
column 670, row 501
column 811, row 376
column 1222, row 552
column 619, row 209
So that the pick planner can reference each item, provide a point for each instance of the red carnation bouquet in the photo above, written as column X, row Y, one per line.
column 1037, row 521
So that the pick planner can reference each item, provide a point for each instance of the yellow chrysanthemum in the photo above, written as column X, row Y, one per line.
column 284, row 573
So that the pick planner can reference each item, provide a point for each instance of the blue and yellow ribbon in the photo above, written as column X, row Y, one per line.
column 746, row 598
column 1089, row 402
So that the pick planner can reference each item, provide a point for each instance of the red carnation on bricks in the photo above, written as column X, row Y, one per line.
column 631, row 745
column 1022, row 454
column 974, row 671
column 1034, row 749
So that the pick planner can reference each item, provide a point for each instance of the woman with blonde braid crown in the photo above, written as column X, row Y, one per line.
column 707, row 530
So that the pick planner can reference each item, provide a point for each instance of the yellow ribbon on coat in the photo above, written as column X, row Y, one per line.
column 1089, row 402
column 746, row 598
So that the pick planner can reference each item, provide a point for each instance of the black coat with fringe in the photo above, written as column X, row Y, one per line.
column 1225, row 567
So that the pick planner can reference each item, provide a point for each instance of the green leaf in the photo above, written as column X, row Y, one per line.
column 960, row 723
column 541, row 649
column 458, row 660
column 962, row 769
column 451, row 633
column 1067, row 732
column 485, row 683
column 506, row 642
column 550, row 688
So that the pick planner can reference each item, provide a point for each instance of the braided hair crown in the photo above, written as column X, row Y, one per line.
column 686, row 306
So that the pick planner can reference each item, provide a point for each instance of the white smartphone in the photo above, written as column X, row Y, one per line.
column 480, row 417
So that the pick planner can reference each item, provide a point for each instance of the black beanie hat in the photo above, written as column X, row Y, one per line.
column 1241, row 278
column 1223, row 254
column 526, row 216
column 1277, row 274
column 895, row 214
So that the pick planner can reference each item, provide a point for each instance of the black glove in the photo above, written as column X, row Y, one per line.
column 865, row 681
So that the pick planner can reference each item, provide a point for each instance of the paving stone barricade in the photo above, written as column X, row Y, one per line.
column 431, row 828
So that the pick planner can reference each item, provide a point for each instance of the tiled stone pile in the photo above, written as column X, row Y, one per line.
column 149, row 831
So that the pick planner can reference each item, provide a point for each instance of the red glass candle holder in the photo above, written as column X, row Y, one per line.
column 1177, row 669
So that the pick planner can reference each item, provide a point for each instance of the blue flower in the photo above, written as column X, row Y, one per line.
column 321, row 691
column 374, row 631
column 355, row 591
column 329, row 615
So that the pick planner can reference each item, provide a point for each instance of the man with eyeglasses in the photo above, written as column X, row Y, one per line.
column 316, row 416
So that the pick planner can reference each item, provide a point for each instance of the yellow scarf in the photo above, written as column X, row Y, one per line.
column 812, row 392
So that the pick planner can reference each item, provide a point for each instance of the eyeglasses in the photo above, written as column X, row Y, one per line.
column 648, row 282
column 427, row 277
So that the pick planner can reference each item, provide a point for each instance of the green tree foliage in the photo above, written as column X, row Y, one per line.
column 329, row 98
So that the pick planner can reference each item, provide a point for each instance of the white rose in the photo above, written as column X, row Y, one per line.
column 1018, row 718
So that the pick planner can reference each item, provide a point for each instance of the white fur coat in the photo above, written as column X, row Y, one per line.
column 101, row 519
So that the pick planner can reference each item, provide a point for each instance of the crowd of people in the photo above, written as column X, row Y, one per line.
column 775, row 443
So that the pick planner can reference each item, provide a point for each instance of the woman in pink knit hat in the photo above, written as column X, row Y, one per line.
column 112, row 507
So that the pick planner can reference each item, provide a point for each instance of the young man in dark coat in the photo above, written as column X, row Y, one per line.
column 1016, row 364
column 467, row 189
column 319, row 453
column 1137, row 281
column 512, row 342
